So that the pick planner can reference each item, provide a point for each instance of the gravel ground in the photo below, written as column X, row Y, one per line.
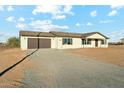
column 56, row 68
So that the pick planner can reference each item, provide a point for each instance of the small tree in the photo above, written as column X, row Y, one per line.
column 13, row 42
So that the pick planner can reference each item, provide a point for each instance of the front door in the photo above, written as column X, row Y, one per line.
column 96, row 42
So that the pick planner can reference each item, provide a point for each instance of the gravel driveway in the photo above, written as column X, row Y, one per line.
column 55, row 68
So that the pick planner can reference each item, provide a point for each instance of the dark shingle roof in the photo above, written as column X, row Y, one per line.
column 41, row 34
column 66, row 34
column 58, row 34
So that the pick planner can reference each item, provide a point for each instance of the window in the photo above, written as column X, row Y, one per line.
column 84, row 41
column 67, row 41
column 89, row 41
column 103, row 41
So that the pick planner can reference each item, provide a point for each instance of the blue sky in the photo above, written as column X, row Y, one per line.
column 108, row 20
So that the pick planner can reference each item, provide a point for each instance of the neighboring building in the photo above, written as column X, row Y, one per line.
column 122, row 41
column 62, row 40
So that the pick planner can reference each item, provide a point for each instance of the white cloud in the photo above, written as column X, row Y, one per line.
column 46, row 9
column 14, row 19
column 67, row 9
column 77, row 24
column 31, row 18
column 10, row 19
column 1, row 7
column 106, row 21
column 89, row 24
column 57, row 12
column 21, row 19
column 1, row 34
column 58, row 17
column 21, row 26
column 117, row 6
column 10, row 8
column 46, row 25
column 93, row 13
column 113, row 13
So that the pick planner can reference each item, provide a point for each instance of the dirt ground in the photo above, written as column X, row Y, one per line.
column 112, row 54
column 13, row 77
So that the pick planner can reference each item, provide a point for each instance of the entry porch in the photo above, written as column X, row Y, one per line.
column 94, row 42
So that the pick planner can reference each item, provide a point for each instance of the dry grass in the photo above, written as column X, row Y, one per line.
column 8, row 57
column 113, row 54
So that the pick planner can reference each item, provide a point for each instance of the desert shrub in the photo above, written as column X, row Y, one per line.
column 13, row 42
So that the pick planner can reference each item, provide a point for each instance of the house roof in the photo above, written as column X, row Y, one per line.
column 40, row 34
column 58, row 34
column 66, row 34
column 91, row 33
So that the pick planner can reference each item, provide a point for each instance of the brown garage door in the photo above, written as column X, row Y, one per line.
column 43, row 43
column 32, row 43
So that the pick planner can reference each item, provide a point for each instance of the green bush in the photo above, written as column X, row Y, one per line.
column 13, row 42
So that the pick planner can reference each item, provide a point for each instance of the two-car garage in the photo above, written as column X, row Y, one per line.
column 34, row 43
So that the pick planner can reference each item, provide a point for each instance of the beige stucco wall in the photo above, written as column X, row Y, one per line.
column 104, row 45
column 96, row 36
column 76, row 43
column 23, row 43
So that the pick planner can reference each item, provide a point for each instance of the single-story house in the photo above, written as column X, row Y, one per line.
column 62, row 40
column 122, row 40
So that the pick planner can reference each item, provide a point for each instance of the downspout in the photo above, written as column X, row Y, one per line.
column 38, row 40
